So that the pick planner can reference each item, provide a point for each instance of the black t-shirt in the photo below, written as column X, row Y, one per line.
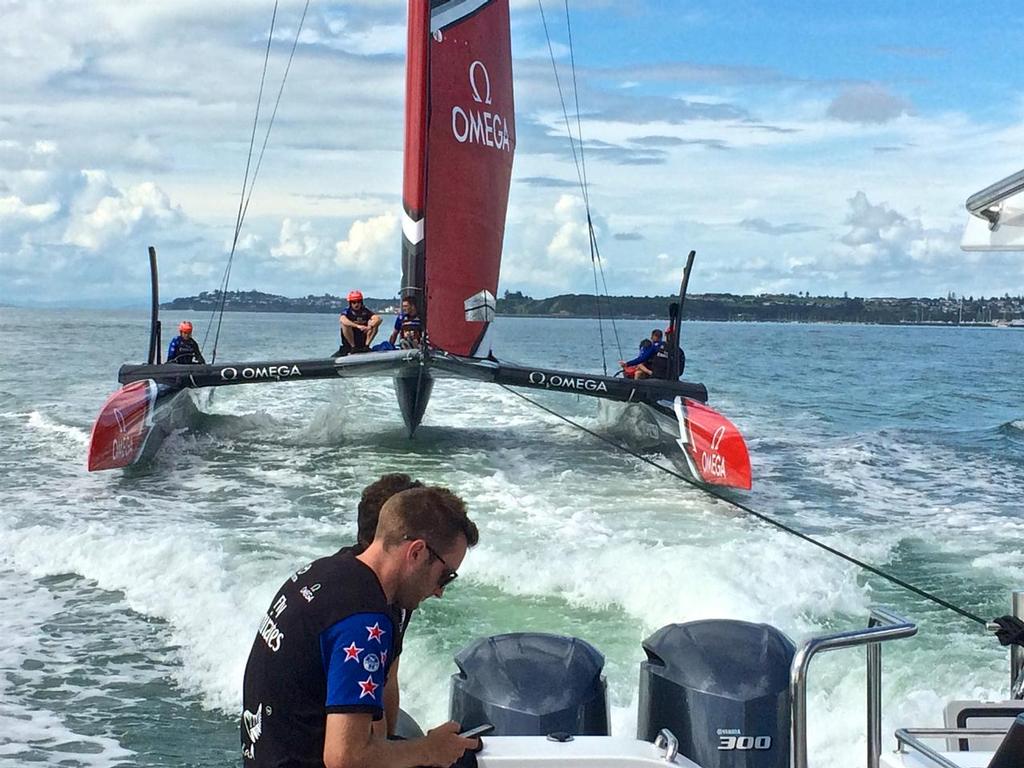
column 400, row 617
column 325, row 646
column 359, row 316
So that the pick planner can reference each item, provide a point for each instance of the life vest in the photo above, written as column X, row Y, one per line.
column 659, row 363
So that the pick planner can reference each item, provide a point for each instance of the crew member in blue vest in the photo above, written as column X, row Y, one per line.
column 185, row 349
column 408, row 330
column 359, row 325
column 642, row 366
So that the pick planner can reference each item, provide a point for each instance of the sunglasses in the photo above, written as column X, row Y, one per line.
column 449, row 575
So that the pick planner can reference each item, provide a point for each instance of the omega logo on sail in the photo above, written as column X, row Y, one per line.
column 476, row 126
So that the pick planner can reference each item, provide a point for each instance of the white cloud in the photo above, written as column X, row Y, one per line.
column 569, row 248
column 102, row 213
column 868, row 104
column 15, row 208
column 371, row 247
column 299, row 249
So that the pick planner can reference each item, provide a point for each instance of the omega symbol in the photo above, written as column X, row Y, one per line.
column 474, row 68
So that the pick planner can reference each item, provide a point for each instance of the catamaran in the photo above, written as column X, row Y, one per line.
column 713, row 693
column 460, row 139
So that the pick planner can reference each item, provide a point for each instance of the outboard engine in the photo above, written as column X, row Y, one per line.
column 531, row 684
column 722, row 688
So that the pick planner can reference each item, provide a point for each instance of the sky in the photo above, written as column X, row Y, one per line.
column 797, row 146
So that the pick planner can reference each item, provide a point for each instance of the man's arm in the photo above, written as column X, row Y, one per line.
column 374, row 321
column 643, row 357
column 391, row 699
column 350, row 743
column 346, row 322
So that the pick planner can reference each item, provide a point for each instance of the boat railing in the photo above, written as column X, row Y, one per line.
column 914, row 738
column 984, row 204
column 883, row 625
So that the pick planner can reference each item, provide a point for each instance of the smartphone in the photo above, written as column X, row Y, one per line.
column 480, row 730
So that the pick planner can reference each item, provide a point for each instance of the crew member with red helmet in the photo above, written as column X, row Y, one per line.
column 185, row 349
column 359, row 325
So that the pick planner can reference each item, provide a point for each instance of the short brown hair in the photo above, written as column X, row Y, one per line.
column 433, row 514
column 373, row 498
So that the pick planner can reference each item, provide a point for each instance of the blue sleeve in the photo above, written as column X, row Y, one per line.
column 398, row 322
column 172, row 351
column 356, row 654
column 644, row 356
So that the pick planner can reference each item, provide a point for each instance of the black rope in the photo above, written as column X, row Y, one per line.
column 241, row 200
column 595, row 252
column 581, row 173
column 250, row 185
column 759, row 515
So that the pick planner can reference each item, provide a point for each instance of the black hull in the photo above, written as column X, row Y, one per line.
column 413, row 386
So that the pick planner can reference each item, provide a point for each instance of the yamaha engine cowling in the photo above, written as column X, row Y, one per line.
column 531, row 684
column 722, row 687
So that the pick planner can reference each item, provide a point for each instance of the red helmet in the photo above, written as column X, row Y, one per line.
column 185, row 327
column 355, row 295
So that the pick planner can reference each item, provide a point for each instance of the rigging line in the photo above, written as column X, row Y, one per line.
column 561, row 97
column 759, row 515
column 579, row 119
column 580, row 170
column 597, row 301
column 611, row 316
column 273, row 115
column 241, row 199
column 266, row 139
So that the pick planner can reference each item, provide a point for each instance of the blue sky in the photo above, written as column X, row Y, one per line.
column 824, row 147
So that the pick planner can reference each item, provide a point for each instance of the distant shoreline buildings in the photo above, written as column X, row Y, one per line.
column 951, row 310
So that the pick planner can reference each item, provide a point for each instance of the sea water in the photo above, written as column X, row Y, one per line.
column 131, row 598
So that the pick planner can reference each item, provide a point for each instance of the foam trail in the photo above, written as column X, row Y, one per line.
column 29, row 731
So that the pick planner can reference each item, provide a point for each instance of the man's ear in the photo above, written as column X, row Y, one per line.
column 415, row 551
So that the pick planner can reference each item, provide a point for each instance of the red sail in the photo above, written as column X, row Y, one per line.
column 460, row 140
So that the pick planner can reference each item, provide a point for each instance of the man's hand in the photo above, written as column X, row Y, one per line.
column 445, row 746
column 1011, row 630
column 622, row 363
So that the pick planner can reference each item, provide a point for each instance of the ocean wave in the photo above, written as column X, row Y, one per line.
column 1013, row 428
column 43, row 424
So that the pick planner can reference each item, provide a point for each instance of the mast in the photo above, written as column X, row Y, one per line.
column 459, row 145
column 415, row 169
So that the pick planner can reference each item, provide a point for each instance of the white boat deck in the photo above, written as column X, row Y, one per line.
column 581, row 752
column 913, row 760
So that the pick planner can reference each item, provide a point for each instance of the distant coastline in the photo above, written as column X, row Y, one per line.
column 951, row 310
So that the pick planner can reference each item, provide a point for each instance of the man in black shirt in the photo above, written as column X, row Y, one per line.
column 359, row 325
column 323, row 652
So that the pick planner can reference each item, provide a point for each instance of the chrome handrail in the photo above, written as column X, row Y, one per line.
column 908, row 737
column 667, row 740
column 883, row 625
column 980, row 203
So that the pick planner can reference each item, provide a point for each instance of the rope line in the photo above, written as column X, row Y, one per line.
column 241, row 199
column 581, row 174
column 754, row 513
column 249, row 185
